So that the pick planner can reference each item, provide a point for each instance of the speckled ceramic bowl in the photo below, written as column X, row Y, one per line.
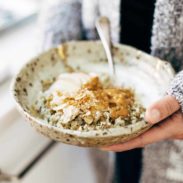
column 148, row 76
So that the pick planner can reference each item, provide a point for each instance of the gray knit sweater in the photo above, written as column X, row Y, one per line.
column 63, row 20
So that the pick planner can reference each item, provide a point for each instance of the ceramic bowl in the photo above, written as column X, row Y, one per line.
column 147, row 75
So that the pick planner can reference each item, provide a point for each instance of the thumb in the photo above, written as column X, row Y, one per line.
column 162, row 109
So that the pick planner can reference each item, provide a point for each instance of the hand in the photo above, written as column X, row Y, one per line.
column 169, row 125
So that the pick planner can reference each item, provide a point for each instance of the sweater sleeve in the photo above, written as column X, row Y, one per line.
column 59, row 21
column 176, row 88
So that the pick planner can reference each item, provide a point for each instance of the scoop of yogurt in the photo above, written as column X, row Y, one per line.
column 70, row 83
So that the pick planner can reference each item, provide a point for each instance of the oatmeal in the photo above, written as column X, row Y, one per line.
column 80, row 101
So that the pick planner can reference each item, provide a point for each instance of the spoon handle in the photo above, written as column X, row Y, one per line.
column 103, row 28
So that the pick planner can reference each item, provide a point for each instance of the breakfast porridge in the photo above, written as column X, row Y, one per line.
column 80, row 101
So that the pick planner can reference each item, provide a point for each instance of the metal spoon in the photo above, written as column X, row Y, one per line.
column 103, row 28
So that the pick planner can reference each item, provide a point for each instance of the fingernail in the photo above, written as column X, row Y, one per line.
column 153, row 115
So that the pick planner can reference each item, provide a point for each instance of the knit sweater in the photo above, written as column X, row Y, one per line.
column 62, row 20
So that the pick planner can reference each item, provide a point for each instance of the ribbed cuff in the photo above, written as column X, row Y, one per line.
column 176, row 88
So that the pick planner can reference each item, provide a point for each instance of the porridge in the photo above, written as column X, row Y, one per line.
column 84, row 102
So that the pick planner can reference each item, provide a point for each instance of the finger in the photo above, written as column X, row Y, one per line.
column 162, row 109
column 153, row 135
column 162, row 131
